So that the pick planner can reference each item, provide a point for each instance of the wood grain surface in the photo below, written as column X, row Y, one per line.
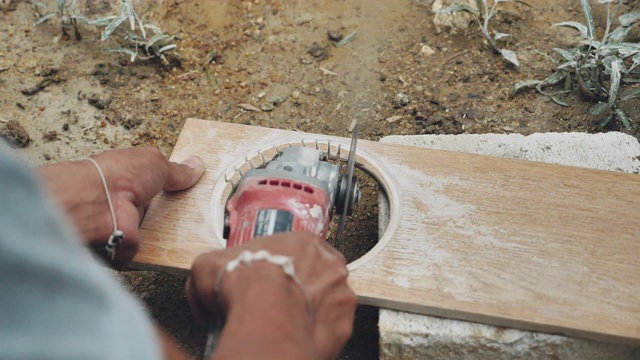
column 504, row 242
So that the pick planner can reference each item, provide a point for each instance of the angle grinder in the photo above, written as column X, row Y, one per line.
column 297, row 190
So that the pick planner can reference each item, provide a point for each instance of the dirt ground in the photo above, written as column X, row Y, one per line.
column 402, row 74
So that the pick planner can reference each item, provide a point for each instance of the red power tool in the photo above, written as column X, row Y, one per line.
column 296, row 190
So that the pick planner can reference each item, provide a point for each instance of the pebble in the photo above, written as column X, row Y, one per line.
column 279, row 99
column 401, row 99
column 426, row 50
column 261, row 95
column 335, row 35
column 393, row 119
column 295, row 94
column 267, row 106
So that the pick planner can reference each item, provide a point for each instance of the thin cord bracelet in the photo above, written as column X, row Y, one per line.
column 117, row 235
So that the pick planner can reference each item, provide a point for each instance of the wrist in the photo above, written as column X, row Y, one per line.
column 266, row 310
column 76, row 187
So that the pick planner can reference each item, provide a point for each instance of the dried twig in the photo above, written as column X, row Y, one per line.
column 187, row 74
column 454, row 56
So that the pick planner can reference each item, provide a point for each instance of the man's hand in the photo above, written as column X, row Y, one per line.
column 134, row 176
column 266, row 311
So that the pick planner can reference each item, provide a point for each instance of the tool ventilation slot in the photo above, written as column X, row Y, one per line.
column 287, row 184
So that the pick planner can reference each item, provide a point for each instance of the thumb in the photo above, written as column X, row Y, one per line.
column 185, row 175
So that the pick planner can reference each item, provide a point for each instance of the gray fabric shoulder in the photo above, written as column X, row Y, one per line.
column 55, row 301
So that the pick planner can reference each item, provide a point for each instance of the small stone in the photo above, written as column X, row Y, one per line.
column 42, row 108
column 47, row 157
column 15, row 133
column 335, row 35
column 279, row 99
column 65, row 127
column 507, row 129
column 383, row 58
column 261, row 95
column 427, row 51
column 318, row 52
column 98, row 102
column 393, row 119
column 50, row 136
column 267, row 106
column 401, row 100
column 295, row 95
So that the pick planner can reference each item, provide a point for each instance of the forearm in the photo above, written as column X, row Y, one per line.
column 263, row 337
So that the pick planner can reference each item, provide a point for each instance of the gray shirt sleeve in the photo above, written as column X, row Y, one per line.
column 55, row 301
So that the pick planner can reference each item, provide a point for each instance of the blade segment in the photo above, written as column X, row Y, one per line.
column 350, row 166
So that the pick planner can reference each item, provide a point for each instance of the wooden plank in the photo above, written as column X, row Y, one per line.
column 505, row 242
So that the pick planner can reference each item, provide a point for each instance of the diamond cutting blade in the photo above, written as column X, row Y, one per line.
column 347, row 199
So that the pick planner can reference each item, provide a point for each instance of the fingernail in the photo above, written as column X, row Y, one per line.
column 194, row 162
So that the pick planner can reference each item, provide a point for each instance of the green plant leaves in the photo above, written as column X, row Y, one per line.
column 599, row 108
column 155, row 39
column 44, row 18
column 510, row 56
column 517, row 1
column 627, row 95
column 112, row 27
column 605, row 122
column 166, row 48
column 567, row 55
column 525, row 84
column 129, row 52
column 558, row 101
column 591, row 28
column 101, row 21
column 584, row 31
column 629, row 18
column 460, row 8
column 619, row 34
column 616, row 76
column 623, row 118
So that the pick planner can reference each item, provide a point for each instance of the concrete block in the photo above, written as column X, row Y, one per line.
column 411, row 336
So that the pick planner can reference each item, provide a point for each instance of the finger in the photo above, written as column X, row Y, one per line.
column 185, row 175
column 200, row 313
column 141, row 212
column 128, row 217
column 326, row 248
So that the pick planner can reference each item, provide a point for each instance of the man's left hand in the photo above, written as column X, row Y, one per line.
column 134, row 176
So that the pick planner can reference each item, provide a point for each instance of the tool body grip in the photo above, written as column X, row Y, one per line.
column 264, row 206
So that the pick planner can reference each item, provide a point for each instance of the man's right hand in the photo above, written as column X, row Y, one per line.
column 266, row 311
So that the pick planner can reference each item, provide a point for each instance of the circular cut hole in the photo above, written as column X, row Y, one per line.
column 369, row 227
